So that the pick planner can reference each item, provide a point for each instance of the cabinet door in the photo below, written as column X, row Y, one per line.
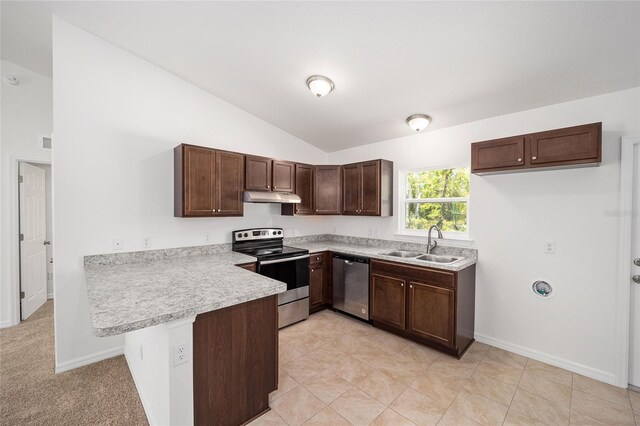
column 304, row 188
column 283, row 176
column 498, row 154
column 567, row 146
column 229, row 183
column 326, row 190
column 370, row 192
column 388, row 296
column 351, row 189
column 257, row 173
column 199, row 178
column 316, row 273
column 432, row 313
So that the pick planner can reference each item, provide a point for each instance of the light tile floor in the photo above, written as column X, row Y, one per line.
column 335, row 370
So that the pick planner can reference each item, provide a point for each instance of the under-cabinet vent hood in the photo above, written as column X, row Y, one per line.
column 270, row 197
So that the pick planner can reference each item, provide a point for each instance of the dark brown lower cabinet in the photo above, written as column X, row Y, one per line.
column 430, row 306
column 249, row 267
column 388, row 300
column 235, row 362
column 320, row 288
column 431, row 312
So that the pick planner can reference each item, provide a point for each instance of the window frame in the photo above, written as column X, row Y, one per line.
column 402, row 203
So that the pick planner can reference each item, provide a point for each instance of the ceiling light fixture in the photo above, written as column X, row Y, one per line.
column 418, row 121
column 320, row 85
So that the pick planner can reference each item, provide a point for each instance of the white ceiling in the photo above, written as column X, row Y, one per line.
column 25, row 32
column 457, row 61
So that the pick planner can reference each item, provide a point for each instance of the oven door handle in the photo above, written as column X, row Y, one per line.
column 286, row 259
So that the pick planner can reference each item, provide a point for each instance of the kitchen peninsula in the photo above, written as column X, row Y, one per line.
column 200, row 332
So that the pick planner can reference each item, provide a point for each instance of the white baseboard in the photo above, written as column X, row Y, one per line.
column 574, row 367
column 143, row 397
column 49, row 296
column 5, row 324
column 89, row 359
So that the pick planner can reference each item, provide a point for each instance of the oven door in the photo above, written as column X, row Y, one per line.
column 293, row 271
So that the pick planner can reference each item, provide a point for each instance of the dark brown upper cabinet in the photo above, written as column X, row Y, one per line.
column 284, row 179
column 560, row 148
column 573, row 145
column 304, row 189
column 367, row 188
column 327, row 190
column 265, row 174
column 258, row 173
column 207, row 182
column 498, row 154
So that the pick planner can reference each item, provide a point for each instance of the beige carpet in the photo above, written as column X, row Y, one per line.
column 30, row 392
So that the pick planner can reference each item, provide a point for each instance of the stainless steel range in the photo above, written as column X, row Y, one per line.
column 287, row 264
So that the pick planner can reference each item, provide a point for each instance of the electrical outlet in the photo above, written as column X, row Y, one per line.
column 550, row 247
column 117, row 244
column 180, row 354
column 207, row 237
column 146, row 242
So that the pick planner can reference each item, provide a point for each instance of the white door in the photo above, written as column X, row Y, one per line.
column 634, row 342
column 33, row 253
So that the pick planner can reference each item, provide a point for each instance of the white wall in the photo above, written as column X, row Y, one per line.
column 117, row 119
column 26, row 115
column 512, row 215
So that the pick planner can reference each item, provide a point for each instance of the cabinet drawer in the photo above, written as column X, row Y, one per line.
column 316, row 259
column 433, row 276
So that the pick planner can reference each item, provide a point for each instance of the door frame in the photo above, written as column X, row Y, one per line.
column 14, row 233
column 625, row 215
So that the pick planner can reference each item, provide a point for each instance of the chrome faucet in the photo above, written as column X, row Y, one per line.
column 432, row 245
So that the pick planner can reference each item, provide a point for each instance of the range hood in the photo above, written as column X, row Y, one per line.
column 270, row 197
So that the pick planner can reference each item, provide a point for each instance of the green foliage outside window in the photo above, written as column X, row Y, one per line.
column 450, row 216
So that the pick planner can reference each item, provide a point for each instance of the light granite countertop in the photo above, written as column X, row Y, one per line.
column 129, row 296
column 374, row 252
column 131, row 291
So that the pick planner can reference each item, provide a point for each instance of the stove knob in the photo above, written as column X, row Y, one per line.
column 239, row 235
column 279, row 232
column 246, row 235
column 274, row 232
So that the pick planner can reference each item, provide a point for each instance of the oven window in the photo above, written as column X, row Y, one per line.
column 295, row 273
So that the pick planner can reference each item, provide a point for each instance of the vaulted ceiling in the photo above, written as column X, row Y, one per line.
column 457, row 61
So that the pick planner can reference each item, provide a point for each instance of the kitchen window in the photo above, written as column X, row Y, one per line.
column 435, row 197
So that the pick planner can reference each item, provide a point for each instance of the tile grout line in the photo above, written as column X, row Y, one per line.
column 516, row 391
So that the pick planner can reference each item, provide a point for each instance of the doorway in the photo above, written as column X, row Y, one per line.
column 634, row 314
column 35, row 219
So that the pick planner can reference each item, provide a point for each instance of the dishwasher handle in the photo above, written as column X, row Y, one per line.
column 350, row 258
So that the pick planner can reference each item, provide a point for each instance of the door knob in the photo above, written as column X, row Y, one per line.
column 636, row 279
column 636, row 261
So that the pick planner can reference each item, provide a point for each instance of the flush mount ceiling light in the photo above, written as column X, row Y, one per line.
column 320, row 85
column 418, row 121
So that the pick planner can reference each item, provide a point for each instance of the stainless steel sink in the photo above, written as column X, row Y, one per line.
column 403, row 254
column 438, row 259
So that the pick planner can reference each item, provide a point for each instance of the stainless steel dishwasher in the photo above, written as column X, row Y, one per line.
column 351, row 284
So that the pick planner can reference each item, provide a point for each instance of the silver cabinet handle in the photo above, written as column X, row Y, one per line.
column 534, row 158
column 519, row 160
column 410, row 286
column 286, row 259
column 401, row 284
